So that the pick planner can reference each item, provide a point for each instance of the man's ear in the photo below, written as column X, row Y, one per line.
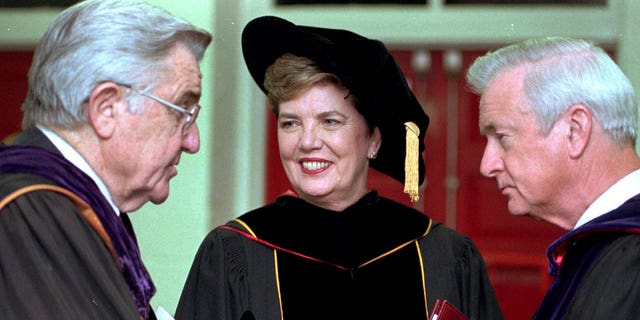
column 105, row 102
column 580, row 127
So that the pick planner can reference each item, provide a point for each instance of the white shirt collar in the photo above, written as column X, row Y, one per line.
column 614, row 197
column 77, row 160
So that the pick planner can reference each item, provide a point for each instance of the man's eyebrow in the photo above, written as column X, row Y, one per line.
column 488, row 128
column 188, row 96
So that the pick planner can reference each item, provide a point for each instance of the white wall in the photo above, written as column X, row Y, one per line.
column 225, row 178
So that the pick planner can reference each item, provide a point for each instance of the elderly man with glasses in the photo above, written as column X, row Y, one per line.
column 112, row 103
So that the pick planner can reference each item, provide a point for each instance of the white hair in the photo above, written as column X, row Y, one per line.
column 564, row 72
column 96, row 41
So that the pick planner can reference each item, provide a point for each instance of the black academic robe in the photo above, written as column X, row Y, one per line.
column 53, row 265
column 596, row 269
column 374, row 260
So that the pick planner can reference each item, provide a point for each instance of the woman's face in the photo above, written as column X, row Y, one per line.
column 324, row 146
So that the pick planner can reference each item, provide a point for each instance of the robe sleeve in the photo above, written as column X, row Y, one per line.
column 479, row 296
column 216, row 286
column 54, row 266
column 455, row 271
column 611, row 289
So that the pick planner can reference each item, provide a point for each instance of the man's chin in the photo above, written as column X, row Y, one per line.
column 519, row 211
column 536, row 218
column 527, row 214
column 160, row 195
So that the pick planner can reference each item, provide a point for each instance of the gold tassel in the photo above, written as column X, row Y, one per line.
column 411, row 164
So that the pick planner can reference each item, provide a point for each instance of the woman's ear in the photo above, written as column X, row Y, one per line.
column 580, row 127
column 375, row 142
column 105, row 102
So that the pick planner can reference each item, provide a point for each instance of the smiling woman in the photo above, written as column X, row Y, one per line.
column 332, row 245
column 324, row 146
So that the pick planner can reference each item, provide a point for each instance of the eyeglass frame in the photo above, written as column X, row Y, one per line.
column 191, row 115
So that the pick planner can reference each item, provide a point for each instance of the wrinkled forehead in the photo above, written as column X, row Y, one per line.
column 503, row 101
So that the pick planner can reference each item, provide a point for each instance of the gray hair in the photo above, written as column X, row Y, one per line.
column 563, row 72
column 96, row 41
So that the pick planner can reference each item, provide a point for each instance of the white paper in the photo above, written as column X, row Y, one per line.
column 162, row 314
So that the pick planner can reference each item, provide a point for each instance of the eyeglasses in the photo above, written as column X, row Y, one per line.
column 191, row 115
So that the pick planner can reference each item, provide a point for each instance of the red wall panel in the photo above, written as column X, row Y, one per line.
column 14, row 66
